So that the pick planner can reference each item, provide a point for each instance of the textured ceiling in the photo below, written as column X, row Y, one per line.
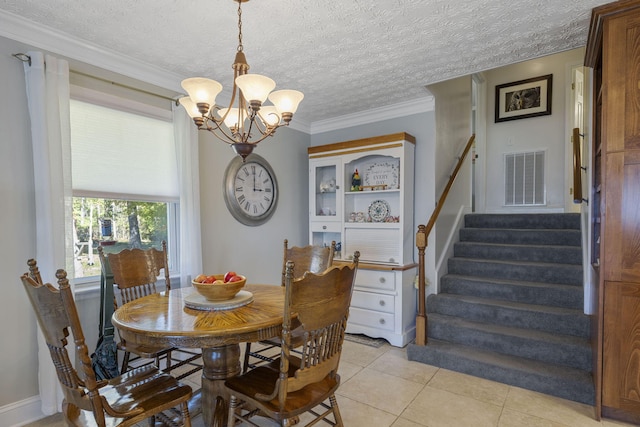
column 346, row 56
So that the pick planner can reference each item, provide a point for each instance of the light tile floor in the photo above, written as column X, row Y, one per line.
column 381, row 388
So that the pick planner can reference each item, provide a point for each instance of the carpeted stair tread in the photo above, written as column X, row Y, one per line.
column 568, row 274
column 525, row 221
column 567, row 350
column 539, row 317
column 555, row 380
column 557, row 254
column 540, row 293
column 523, row 236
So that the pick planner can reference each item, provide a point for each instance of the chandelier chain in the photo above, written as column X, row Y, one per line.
column 240, row 26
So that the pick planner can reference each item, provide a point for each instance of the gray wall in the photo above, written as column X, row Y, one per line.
column 255, row 252
column 546, row 132
column 17, row 228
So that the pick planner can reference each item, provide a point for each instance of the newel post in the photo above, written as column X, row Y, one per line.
column 421, row 318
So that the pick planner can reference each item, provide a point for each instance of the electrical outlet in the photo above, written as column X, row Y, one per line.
column 416, row 282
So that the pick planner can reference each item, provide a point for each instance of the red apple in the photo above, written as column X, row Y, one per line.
column 235, row 279
column 200, row 278
column 209, row 279
column 228, row 275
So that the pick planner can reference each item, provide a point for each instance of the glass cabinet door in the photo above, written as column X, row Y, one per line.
column 325, row 190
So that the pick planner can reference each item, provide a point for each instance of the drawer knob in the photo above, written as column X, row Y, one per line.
column 382, row 280
column 382, row 303
column 324, row 227
column 392, row 260
column 382, row 321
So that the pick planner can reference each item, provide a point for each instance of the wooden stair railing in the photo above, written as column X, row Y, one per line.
column 422, row 237
column 577, row 167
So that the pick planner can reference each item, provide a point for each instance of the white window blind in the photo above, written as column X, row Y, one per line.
column 524, row 182
column 119, row 152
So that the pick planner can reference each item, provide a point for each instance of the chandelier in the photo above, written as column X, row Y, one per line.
column 246, row 121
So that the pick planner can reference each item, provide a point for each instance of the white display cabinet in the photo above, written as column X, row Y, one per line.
column 370, row 211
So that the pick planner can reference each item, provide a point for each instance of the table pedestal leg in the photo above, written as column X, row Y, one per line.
column 220, row 363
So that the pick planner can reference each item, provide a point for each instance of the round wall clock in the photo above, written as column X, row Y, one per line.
column 250, row 190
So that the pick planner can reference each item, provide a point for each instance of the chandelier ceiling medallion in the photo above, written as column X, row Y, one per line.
column 248, row 122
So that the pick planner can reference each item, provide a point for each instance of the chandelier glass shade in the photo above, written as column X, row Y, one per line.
column 246, row 121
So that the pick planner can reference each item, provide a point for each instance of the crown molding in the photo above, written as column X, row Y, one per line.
column 402, row 109
column 41, row 37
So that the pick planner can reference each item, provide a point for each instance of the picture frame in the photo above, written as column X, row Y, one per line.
column 524, row 98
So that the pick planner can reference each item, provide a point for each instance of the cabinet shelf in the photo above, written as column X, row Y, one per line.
column 373, row 225
column 364, row 192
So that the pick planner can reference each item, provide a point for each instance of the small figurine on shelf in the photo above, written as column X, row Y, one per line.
column 356, row 182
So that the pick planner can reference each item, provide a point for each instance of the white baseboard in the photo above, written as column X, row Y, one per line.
column 22, row 412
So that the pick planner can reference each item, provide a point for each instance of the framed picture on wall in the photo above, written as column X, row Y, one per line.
column 524, row 98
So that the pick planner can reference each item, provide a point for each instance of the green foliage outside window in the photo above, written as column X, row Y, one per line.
column 133, row 224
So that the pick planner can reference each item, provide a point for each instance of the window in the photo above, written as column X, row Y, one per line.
column 124, row 178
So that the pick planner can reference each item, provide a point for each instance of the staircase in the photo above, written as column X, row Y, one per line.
column 510, row 308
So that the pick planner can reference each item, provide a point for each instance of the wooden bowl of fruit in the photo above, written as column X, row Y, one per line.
column 219, row 287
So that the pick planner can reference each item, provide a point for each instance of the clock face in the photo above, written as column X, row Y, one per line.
column 253, row 189
column 250, row 190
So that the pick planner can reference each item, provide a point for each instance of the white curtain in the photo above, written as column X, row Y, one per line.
column 47, row 83
column 186, row 137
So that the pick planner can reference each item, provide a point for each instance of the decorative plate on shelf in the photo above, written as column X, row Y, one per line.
column 379, row 210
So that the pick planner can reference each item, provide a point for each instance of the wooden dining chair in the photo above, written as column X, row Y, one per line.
column 126, row 400
column 294, row 384
column 312, row 258
column 134, row 272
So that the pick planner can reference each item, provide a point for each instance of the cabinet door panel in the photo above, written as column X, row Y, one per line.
column 630, row 259
column 611, row 247
column 374, row 245
column 621, row 375
column 632, row 70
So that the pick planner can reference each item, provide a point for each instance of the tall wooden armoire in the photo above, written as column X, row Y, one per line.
column 613, row 51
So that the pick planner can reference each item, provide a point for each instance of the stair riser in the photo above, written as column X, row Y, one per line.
column 560, row 274
column 564, row 388
column 555, row 296
column 567, row 354
column 560, row 323
column 529, row 221
column 560, row 255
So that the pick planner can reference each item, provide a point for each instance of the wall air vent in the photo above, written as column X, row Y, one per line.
column 524, row 181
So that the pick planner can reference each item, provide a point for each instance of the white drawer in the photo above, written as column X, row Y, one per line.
column 373, row 319
column 375, row 279
column 373, row 301
column 329, row 227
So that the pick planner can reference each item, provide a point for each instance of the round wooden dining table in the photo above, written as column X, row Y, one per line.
column 163, row 319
